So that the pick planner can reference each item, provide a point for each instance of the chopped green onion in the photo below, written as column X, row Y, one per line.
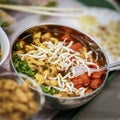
column 23, row 67
column 49, row 90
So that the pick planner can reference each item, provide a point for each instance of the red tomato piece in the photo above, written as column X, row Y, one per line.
column 76, row 47
column 81, row 80
column 97, row 74
column 95, row 83
column 77, row 81
column 85, row 79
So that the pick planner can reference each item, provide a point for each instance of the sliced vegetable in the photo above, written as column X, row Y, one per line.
column 49, row 90
column 85, row 79
column 97, row 74
column 77, row 81
column 23, row 67
column 81, row 80
column 76, row 47
column 95, row 83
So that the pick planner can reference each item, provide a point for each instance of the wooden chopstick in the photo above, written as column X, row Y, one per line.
column 52, row 8
column 42, row 10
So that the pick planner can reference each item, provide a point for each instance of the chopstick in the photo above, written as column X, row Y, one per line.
column 50, row 11
column 51, row 8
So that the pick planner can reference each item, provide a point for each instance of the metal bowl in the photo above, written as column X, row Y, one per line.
column 62, row 103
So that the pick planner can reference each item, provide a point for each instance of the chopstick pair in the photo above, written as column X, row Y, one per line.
column 50, row 11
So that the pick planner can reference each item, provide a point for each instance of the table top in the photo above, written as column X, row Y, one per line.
column 105, row 106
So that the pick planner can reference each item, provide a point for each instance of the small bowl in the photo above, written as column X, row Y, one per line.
column 36, row 93
column 4, row 46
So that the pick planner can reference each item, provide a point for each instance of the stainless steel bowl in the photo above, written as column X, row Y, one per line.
column 63, row 103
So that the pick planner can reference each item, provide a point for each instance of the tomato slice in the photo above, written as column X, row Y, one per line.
column 77, row 81
column 97, row 74
column 85, row 79
column 76, row 47
column 95, row 83
column 81, row 80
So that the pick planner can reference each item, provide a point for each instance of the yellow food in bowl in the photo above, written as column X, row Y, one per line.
column 16, row 101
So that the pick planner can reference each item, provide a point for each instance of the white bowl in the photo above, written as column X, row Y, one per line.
column 5, row 46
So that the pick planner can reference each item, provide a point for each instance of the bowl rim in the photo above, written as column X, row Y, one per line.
column 5, row 42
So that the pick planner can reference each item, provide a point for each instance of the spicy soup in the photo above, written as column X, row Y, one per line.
column 49, row 54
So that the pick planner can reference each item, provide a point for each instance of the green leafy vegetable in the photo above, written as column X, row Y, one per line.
column 49, row 90
column 23, row 67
